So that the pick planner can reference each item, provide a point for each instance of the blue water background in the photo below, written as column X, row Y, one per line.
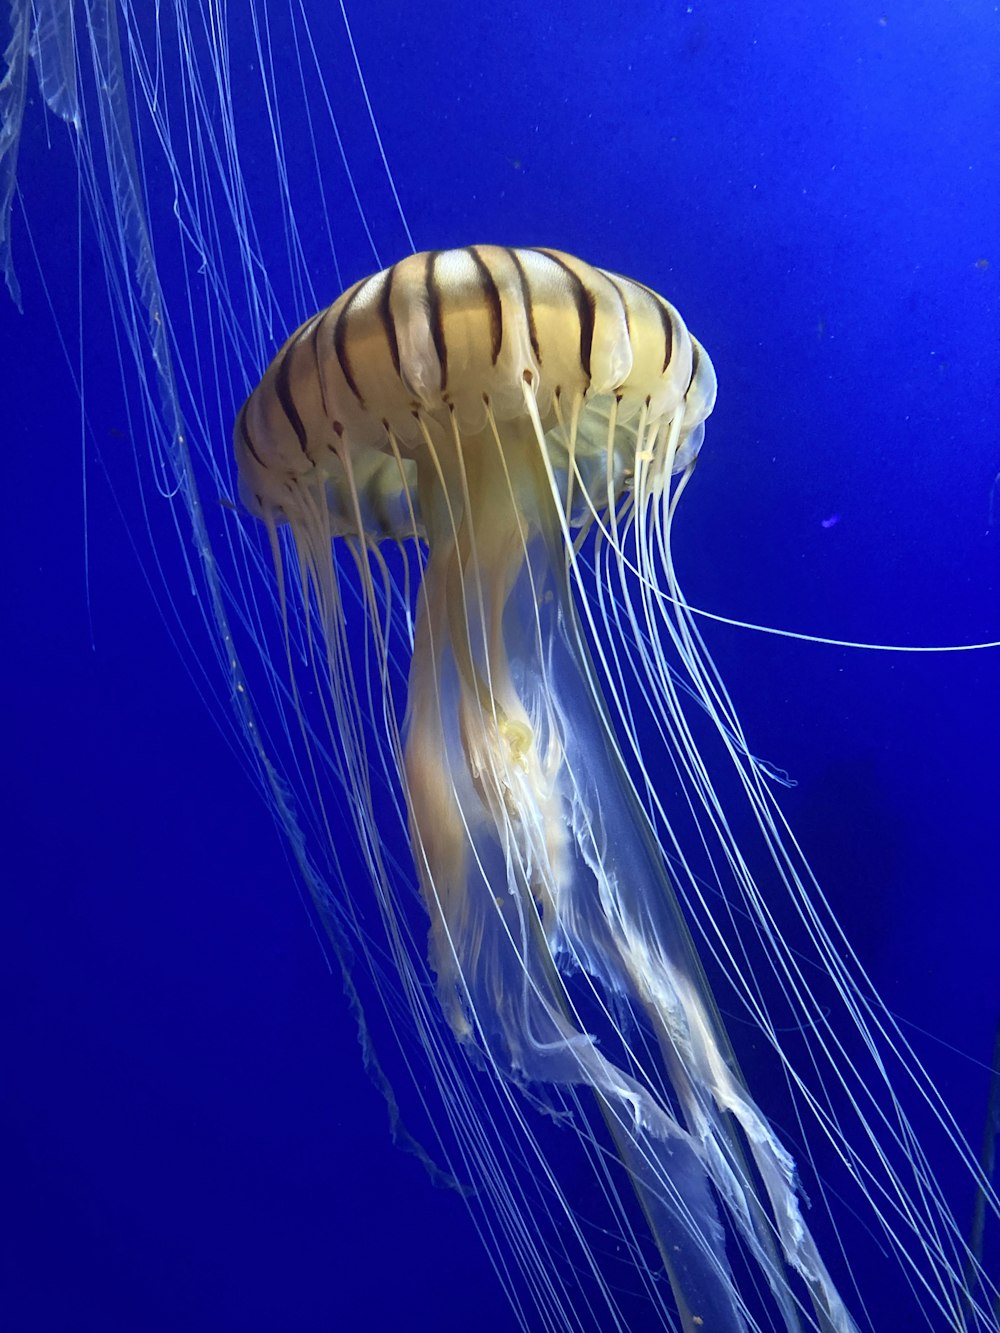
column 190, row 1141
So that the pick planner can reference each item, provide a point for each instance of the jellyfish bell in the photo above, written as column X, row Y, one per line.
column 510, row 421
column 455, row 338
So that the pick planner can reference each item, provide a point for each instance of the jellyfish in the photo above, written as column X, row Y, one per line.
column 449, row 639
column 487, row 408
column 512, row 421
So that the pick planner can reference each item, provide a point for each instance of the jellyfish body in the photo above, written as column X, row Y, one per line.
column 493, row 405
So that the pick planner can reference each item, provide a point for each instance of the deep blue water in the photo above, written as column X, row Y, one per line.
column 189, row 1138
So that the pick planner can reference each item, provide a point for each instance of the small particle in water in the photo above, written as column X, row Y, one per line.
column 830, row 522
